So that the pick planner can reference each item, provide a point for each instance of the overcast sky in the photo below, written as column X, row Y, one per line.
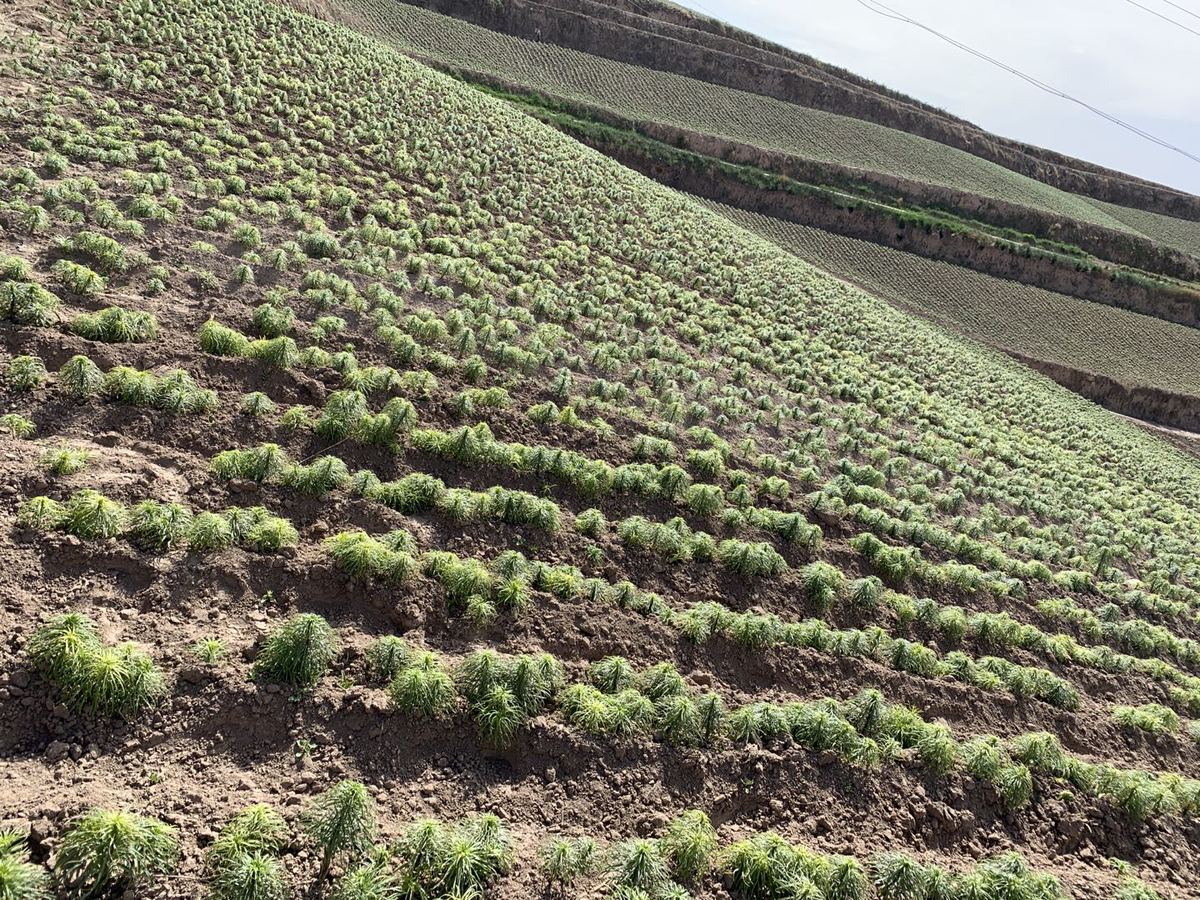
column 1107, row 52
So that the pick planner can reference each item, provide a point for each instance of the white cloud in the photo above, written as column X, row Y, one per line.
column 1106, row 52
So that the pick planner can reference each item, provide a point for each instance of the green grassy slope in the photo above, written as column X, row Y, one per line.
column 1178, row 233
column 649, row 95
column 653, row 507
column 638, row 94
column 1134, row 349
column 669, row 38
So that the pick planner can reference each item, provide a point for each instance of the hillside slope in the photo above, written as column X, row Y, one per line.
column 669, row 37
column 746, row 117
column 367, row 436
column 1138, row 364
column 817, row 161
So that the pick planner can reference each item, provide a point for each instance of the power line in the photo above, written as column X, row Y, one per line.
column 701, row 7
column 887, row 12
column 1182, row 9
column 1165, row 18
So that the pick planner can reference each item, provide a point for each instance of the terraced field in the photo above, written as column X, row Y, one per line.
column 400, row 500
column 752, row 119
column 1146, row 371
column 1178, row 233
column 1136, row 350
column 668, row 37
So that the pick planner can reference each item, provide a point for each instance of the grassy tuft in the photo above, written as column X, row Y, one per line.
column 20, row 879
column 221, row 340
column 388, row 656
column 256, row 829
column 423, row 687
column 65, row 460
column 211, row 651
column 251, row 876
column 79, row 279
column 25, row 373
column 80, row 377
column 566, row 860
column 17, row 425
column 340, row 821
column 689, row 845
column 40, row 513
column 373, row 880
column 116, row 325
column 27, row 303
column 157, row 527
column 209, row 531
column 638, row 865
column 298, row 652
column 106, row 851
column 89, row 514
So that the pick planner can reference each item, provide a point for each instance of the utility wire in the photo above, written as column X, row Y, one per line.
column 1165, row 18
column 887, row 12
column 694, row 5
column 1182, row 9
